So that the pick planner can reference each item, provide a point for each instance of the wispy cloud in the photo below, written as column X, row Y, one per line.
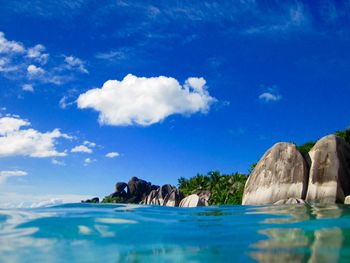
column 4, row 175
column 35, row 65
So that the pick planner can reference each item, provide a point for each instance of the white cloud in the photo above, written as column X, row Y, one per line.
column 81, row 149
column 36, row 53
column 145, row 101
column 28, row 87
column 89, row 144
column 19, row 63
column 7, row 46
column 6, row 174
column 58, row 162
column 88, row 161
column 112, row 155
column 269, row 97
column 34, row 70
column 77, row 63
column 15, row 140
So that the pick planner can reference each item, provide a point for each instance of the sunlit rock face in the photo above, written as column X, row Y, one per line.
column 282, row 173
column 347, row 200
column 329, row 180
column 191, row 201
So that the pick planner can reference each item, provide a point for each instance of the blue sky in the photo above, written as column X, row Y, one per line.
column 238, row 76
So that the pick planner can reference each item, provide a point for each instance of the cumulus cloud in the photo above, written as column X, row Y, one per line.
column 34, row 70
column 112, row 155
column 81, row 149
column 18, row 140
column 7, row 46
column 269, row 97
column 89, row 144
column 6, row 174
column 145, row 101
column 37, row 53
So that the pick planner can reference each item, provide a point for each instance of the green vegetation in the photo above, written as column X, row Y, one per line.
column 112, row 199
column 224, row 188
column 306, row 147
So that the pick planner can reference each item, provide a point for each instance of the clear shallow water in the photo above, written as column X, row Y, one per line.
column 130, row 233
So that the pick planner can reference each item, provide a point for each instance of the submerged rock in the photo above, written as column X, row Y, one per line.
column 329, row 180
column 290, row 201
column 282, row 173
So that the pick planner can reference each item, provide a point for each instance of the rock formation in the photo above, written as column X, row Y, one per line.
column 191, row 201
column 282, row 173
column 329, row 180
column 166, row 195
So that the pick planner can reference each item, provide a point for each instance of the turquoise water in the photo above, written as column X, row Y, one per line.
column 131, row 233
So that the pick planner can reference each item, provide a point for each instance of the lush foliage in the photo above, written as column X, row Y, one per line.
column 112, row 199
column 344, row 134
column 224, row 188
column 306, row 147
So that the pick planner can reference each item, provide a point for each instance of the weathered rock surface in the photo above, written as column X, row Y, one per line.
column 166, row 195
column 191, row 201
column 329, row 180
column 138, row 189
column 347, row 200
column 204, row 196
column 282, row 173
column 290, row 201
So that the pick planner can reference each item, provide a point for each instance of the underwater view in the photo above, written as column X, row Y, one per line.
column 137, row 233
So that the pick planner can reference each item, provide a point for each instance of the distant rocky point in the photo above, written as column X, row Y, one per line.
column 284, row 175
column 138, row 191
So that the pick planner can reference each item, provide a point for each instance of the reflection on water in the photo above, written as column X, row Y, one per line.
column 124, row 233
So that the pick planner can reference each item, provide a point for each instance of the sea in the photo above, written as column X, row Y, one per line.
column 139, row 233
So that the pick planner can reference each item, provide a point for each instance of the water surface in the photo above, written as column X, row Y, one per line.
column 132, row 233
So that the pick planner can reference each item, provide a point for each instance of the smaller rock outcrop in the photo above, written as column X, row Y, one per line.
column 204, row 196
column 191, row 201
column 347, row 200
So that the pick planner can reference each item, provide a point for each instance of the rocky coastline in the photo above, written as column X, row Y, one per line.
column 317, row 172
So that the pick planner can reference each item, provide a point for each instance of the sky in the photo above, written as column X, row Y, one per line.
column 95, row 92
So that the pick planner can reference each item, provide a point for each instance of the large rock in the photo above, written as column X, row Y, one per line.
column 138, row 189
column 204, row 196
column 329, row 180
column 173, row 198
column 120, row 186
column 282, row 173
column 191, row 201
column 166, row 195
